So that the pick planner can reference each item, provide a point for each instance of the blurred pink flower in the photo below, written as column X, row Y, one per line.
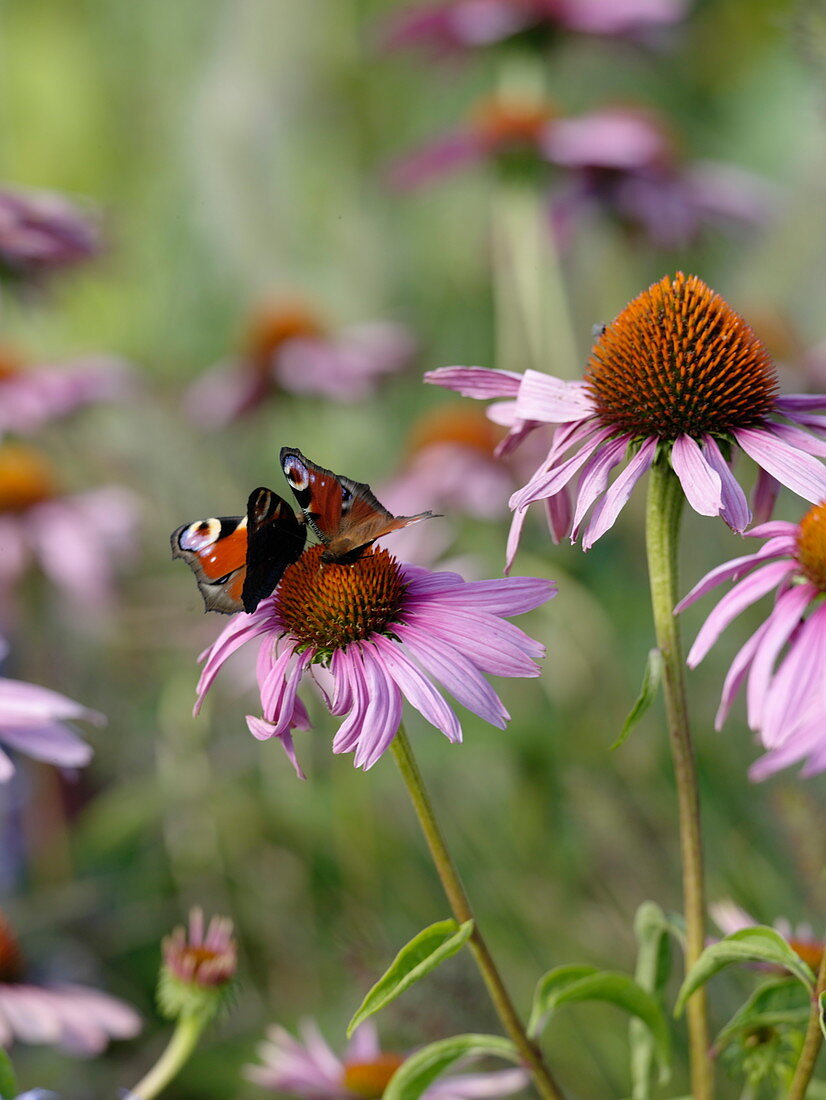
column 78, row 539
column 731, row 918
column 456, row 25
column 786, row 696
column 452, row 469
column 619, row 160
column 42, row 232
column 206, row 957
column 373, row 624
column 651, row 393
column 31, row 395
column 33, row 721
column 80, row 1020
column 288, row 349
column 309, row 1070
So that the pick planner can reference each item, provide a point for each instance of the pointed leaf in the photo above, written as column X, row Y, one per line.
column 778, row 1003
column 822, row 1003
column 8, row 1079
column 651, row 680
column 653, row 930
column 424, row 953
column 758, row 944
column 561, row 986
column 421, row 1069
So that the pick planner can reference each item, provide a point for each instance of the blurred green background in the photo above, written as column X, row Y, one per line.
column 237, row 149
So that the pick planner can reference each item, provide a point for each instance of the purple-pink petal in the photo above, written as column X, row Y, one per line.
column 764, row 496
column 784, row 619
column 700, row 481
column 384, row 712
column 743, row 595
column 552, row 400
column 594, row 478
column 482, row 383
column 456, row 672
column 417, row 689
column 792, row 467
column 733, row 570
column 735, row 510
column 51, row 741
column 737, row 674
column 798, row 680
column 617, row 496
column 547, row 482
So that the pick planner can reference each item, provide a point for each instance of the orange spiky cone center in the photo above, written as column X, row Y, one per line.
column 11, row 958
column 678, row 360
column 327, row 605
column 26, row 478
column 811, row 546
column 370, row 1079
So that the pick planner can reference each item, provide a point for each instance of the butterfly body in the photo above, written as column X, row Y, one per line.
column 343, row 514
column 239, row 560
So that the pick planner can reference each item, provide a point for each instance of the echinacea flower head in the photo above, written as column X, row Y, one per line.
column 384, row 631
column 730, row 918
column 448, row 26
column 77, row 539
column 783, row 664
column 199, row 964
column 42, row 232
column 679, row 378
column 76, row 1018
column 308, row 1069
column 34, row 394
column 289, row 348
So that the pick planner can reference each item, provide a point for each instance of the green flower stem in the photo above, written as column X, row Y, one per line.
column 178, row 1052
column 665, row 502
column 546, row 1086
column 813, row 1041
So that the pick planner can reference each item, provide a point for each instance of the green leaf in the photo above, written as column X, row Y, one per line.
column 424, row 953
column 778, row 1003
column 822, row 1003
column 651, row 680
column 759, row 944
column 564, row 986
column 653, row 930
column 422, row 1068
column 8, row 1079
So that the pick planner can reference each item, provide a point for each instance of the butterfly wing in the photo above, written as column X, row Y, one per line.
column 275, row 539
column 344, row 514
column 216, row 552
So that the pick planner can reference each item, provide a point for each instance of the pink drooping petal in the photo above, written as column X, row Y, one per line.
column 799, row 439
column 364, row 1045
column 593, row 480
column 342, row 669
column 799, row 680
column 800, row 402
column 764, row 496
column 514, row 536
column 383, row 715
column 552, row 400
column 22, row 703
column 779, row 547
column 617, row 496
column 735, row 510
column 736, row 675
column 417, row 689
column 6, row 772
column 548, row 481
column 271, row 675
column 240, row 629
column 351, row 728
column 482, row 383
column 438, row 158
column 558, row 513
column 492, row 1085
column 743, row 595
column 798, row 471
column 52, row 742
column 459, row 675
column 783, row 620
column 506, row 596
column 700, row 481
column 494, row 645
column 279, row 704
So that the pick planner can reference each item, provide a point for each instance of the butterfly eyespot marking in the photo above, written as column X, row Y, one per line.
column 296, row 472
